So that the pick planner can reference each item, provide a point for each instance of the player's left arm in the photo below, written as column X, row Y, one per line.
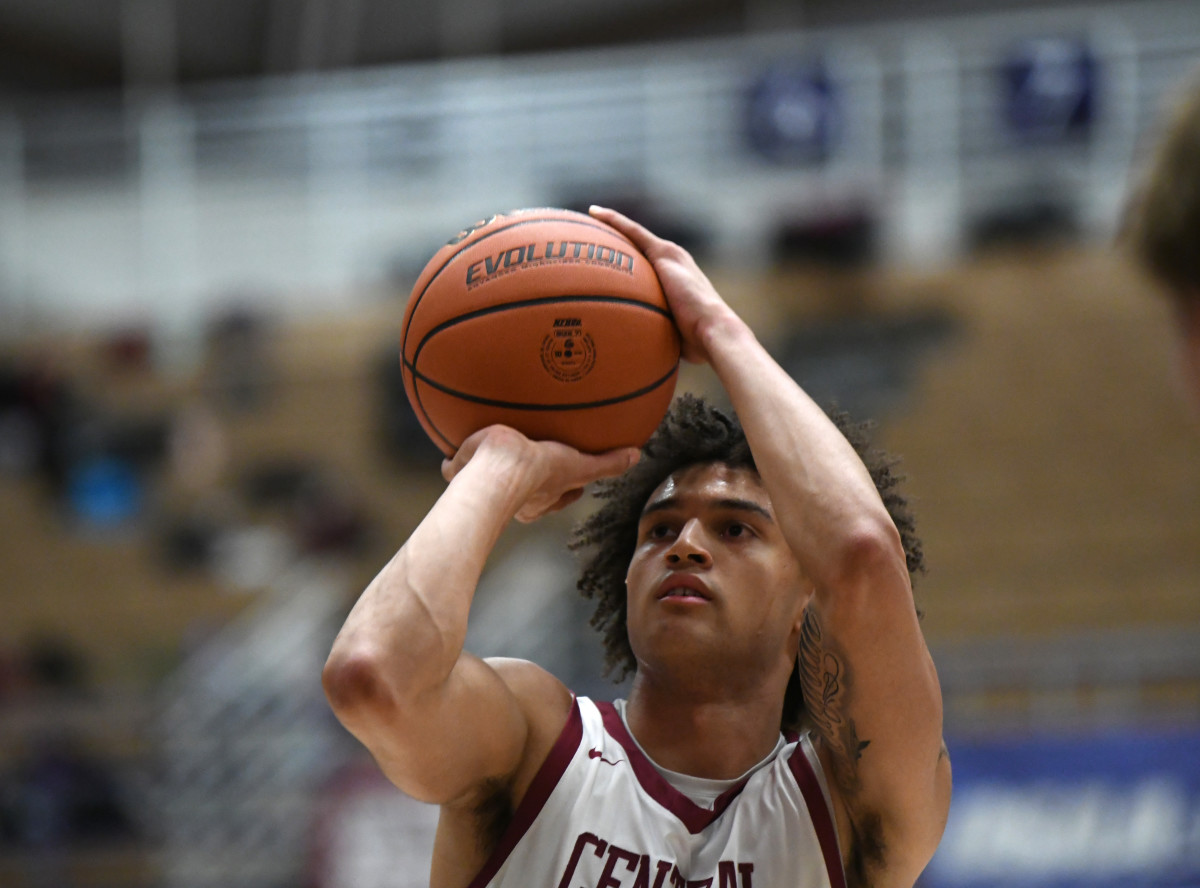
column 869, row 681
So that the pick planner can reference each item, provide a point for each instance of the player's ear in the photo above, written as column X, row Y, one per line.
column 803, row 597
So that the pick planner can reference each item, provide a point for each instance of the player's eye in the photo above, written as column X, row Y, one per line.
column 736, row 529
column 659, row 531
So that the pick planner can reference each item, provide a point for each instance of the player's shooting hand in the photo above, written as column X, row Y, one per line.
column 694, row 301
column 551, row 475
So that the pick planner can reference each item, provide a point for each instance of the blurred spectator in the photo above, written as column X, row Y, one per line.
column 197, row 447
column 127, row 350
column 60, row 796
column 186, row 542
column 238, row 348
column 11, row 674
column 1162, row 223
column 20, row 438
column 329, row 519
column 93, row 459
column 37, row 408
column 53, row 664
column 323, row 514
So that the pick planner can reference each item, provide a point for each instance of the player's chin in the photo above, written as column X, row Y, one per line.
column 682, row 628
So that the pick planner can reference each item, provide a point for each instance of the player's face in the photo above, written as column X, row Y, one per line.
column 712, row 571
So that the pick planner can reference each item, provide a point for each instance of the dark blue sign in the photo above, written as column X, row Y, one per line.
column 1049, row 89
column 1073, row 811
column 791, row 113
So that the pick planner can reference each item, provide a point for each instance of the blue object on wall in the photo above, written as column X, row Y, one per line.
column 1049, row 89
column 792, row 113
column 1092, row 810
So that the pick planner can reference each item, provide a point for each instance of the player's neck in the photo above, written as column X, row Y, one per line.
column 713, row 738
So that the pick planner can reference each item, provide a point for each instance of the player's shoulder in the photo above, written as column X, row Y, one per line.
column 546, row 704
column 543, row 698
column 521, row 675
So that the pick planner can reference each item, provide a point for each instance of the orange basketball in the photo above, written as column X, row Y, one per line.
column 545, row 320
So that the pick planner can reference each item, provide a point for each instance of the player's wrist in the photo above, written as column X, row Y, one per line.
column 722, row 330
column 507, row 466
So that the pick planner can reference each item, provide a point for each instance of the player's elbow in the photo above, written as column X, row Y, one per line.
column 869, row 551
column 355, row 685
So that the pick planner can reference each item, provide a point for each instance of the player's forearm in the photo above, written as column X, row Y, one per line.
column 826, row 501
column 406, row 632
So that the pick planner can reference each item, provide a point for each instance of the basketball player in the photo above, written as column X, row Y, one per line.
column 1162, row 226
column 783, row 727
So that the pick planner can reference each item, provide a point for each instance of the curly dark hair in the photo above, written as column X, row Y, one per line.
column 696, row 432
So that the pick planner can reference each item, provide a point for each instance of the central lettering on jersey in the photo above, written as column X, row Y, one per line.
column 621, row 868
column 569, row 252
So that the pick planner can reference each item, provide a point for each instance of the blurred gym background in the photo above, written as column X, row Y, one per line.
column 211, row 214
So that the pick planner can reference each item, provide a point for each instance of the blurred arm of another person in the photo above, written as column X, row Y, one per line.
column 1161, row 226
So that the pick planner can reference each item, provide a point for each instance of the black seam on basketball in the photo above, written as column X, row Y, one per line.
column 518, row 405
column 599, row 226
column 526, row 303
column 420, row 406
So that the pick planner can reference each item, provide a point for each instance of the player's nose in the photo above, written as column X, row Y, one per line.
column 689, row 546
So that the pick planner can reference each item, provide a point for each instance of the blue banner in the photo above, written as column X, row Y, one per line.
column 1073, row 811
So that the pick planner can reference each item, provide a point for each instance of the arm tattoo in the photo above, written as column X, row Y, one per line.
column 826, row 684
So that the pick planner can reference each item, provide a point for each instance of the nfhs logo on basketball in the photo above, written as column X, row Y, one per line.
column 569, row 353
column 545, row 320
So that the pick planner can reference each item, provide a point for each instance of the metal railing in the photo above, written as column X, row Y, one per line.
column 312, row 188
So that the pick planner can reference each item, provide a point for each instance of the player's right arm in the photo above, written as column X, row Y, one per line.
column 440, row 722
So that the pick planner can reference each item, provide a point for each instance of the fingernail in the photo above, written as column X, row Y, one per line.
column 593, row 207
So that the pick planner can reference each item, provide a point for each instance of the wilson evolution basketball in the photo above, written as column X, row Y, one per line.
column 545, row 320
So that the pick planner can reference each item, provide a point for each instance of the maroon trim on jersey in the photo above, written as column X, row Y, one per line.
column 694, row 817
column 819, row 813
column 543, row 784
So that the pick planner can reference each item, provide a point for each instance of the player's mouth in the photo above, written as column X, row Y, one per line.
column 683, row 588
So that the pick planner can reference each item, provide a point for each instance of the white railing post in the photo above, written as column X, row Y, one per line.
column 338, row 189
column 14, row 229
column 168, row 288
column 1116, row 126
column 927, row 213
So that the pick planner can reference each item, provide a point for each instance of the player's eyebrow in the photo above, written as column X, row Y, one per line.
column 666, row 504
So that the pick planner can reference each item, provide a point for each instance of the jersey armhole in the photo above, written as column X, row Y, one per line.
column 544, row 782
column 805, row 765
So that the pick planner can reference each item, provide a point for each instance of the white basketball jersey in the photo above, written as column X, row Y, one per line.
column 599, row 815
